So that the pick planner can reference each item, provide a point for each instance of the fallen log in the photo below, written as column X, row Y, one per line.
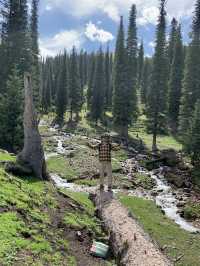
column 130, row 244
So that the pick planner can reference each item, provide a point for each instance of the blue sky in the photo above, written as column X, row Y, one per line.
column 89, row 23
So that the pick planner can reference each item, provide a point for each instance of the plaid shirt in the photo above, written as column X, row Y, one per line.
column 105, row 152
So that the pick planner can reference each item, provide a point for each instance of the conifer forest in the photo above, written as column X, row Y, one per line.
column 57, row 109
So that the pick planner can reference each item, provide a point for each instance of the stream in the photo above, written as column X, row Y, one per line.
column 165, row 196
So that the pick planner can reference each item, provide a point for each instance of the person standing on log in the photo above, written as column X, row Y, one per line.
column 105, row 167
column 105, row 161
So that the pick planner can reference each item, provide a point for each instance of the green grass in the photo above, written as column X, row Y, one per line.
column 165, row 232
column 10, row 239
column 80, row 221
column 144, row 181
column 192, row 210
column 82, row 199
column 26, row 235
column 163, row 142
column 4, row 156
column 71, row 261
column 87, row 182
column 62, row 167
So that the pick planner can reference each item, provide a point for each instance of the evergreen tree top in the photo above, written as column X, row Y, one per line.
column 196, row 20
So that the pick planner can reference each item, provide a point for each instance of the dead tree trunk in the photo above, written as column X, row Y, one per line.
column 32, row 155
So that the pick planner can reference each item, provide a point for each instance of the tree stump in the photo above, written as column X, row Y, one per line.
column 32, row 155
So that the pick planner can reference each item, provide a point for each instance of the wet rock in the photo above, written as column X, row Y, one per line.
column 170, row 157
column 180, row 204
column 187, row 190
column 160, row 190
column 177, row 180
column 154, row 193
column 79, row 236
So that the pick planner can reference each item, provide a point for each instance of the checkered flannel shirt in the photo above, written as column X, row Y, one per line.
column 105, row 152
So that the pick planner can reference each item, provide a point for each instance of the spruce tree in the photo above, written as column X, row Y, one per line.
column 11, row 133
column 18, row 41
column 193, row 142
column 61, row 94
column 172, row 40
column 47, row 85
column 16, row 55
column 91, row 80
column 81, row 71
column 157, row 100
column 146, row 80
column 35, row 53
column 131, row 92
column 108, row 87
column 75, row 93
column 175, row 82
column 191, row 84
column 121, row 98
column 85, row 68
column 98, row 92
column 140, row 63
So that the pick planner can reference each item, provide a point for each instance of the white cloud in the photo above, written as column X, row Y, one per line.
column 48, row 7
column 152, row 44
column 149, row 15
column 93, row 33
column 147, row 9
column 63, row 40
column 112, row 11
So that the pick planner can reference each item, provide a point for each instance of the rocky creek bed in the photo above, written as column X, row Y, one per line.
column 170, row 199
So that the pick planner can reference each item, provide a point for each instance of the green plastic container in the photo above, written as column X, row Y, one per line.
column 99, row 249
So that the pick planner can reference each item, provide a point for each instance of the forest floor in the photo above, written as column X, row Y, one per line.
column 39, row 223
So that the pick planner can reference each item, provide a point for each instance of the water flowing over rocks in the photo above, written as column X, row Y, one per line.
column 168, row 198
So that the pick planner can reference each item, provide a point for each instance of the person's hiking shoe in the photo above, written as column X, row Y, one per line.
column 109, row 189
column 101, row 188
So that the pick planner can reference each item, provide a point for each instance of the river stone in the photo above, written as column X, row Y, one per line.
column 180, row 204
column 175, row 179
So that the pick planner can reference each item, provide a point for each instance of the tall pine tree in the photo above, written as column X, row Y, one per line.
column 35, row 52
column 61, row 95
column 11, row 108
column 108, row 77
column 146, row 80
column 193, row 144
column 140, row 64
column 75, row 92
column 91, row 80
column 172, row 40
column 131, row 92
column 98, row 93
column 191, row 84
column 121, row 99
column 157, row 100
column 175, row 82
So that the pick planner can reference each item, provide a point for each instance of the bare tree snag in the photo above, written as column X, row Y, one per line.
column 32, row 155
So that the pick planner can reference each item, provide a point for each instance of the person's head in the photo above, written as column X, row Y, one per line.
column 105, row 138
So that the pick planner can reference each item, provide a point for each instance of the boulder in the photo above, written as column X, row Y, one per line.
column 174, row 179
column 170, row 157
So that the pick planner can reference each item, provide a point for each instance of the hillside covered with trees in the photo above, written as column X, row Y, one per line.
column 150, row 105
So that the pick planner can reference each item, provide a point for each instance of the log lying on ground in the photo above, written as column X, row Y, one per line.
column 32, row 155
column 129, row 242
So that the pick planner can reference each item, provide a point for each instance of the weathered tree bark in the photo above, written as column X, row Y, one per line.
column 154, row 142
column 32, row 155
column 130, row 244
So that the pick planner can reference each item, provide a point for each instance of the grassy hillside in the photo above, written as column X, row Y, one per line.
column 38, row 225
